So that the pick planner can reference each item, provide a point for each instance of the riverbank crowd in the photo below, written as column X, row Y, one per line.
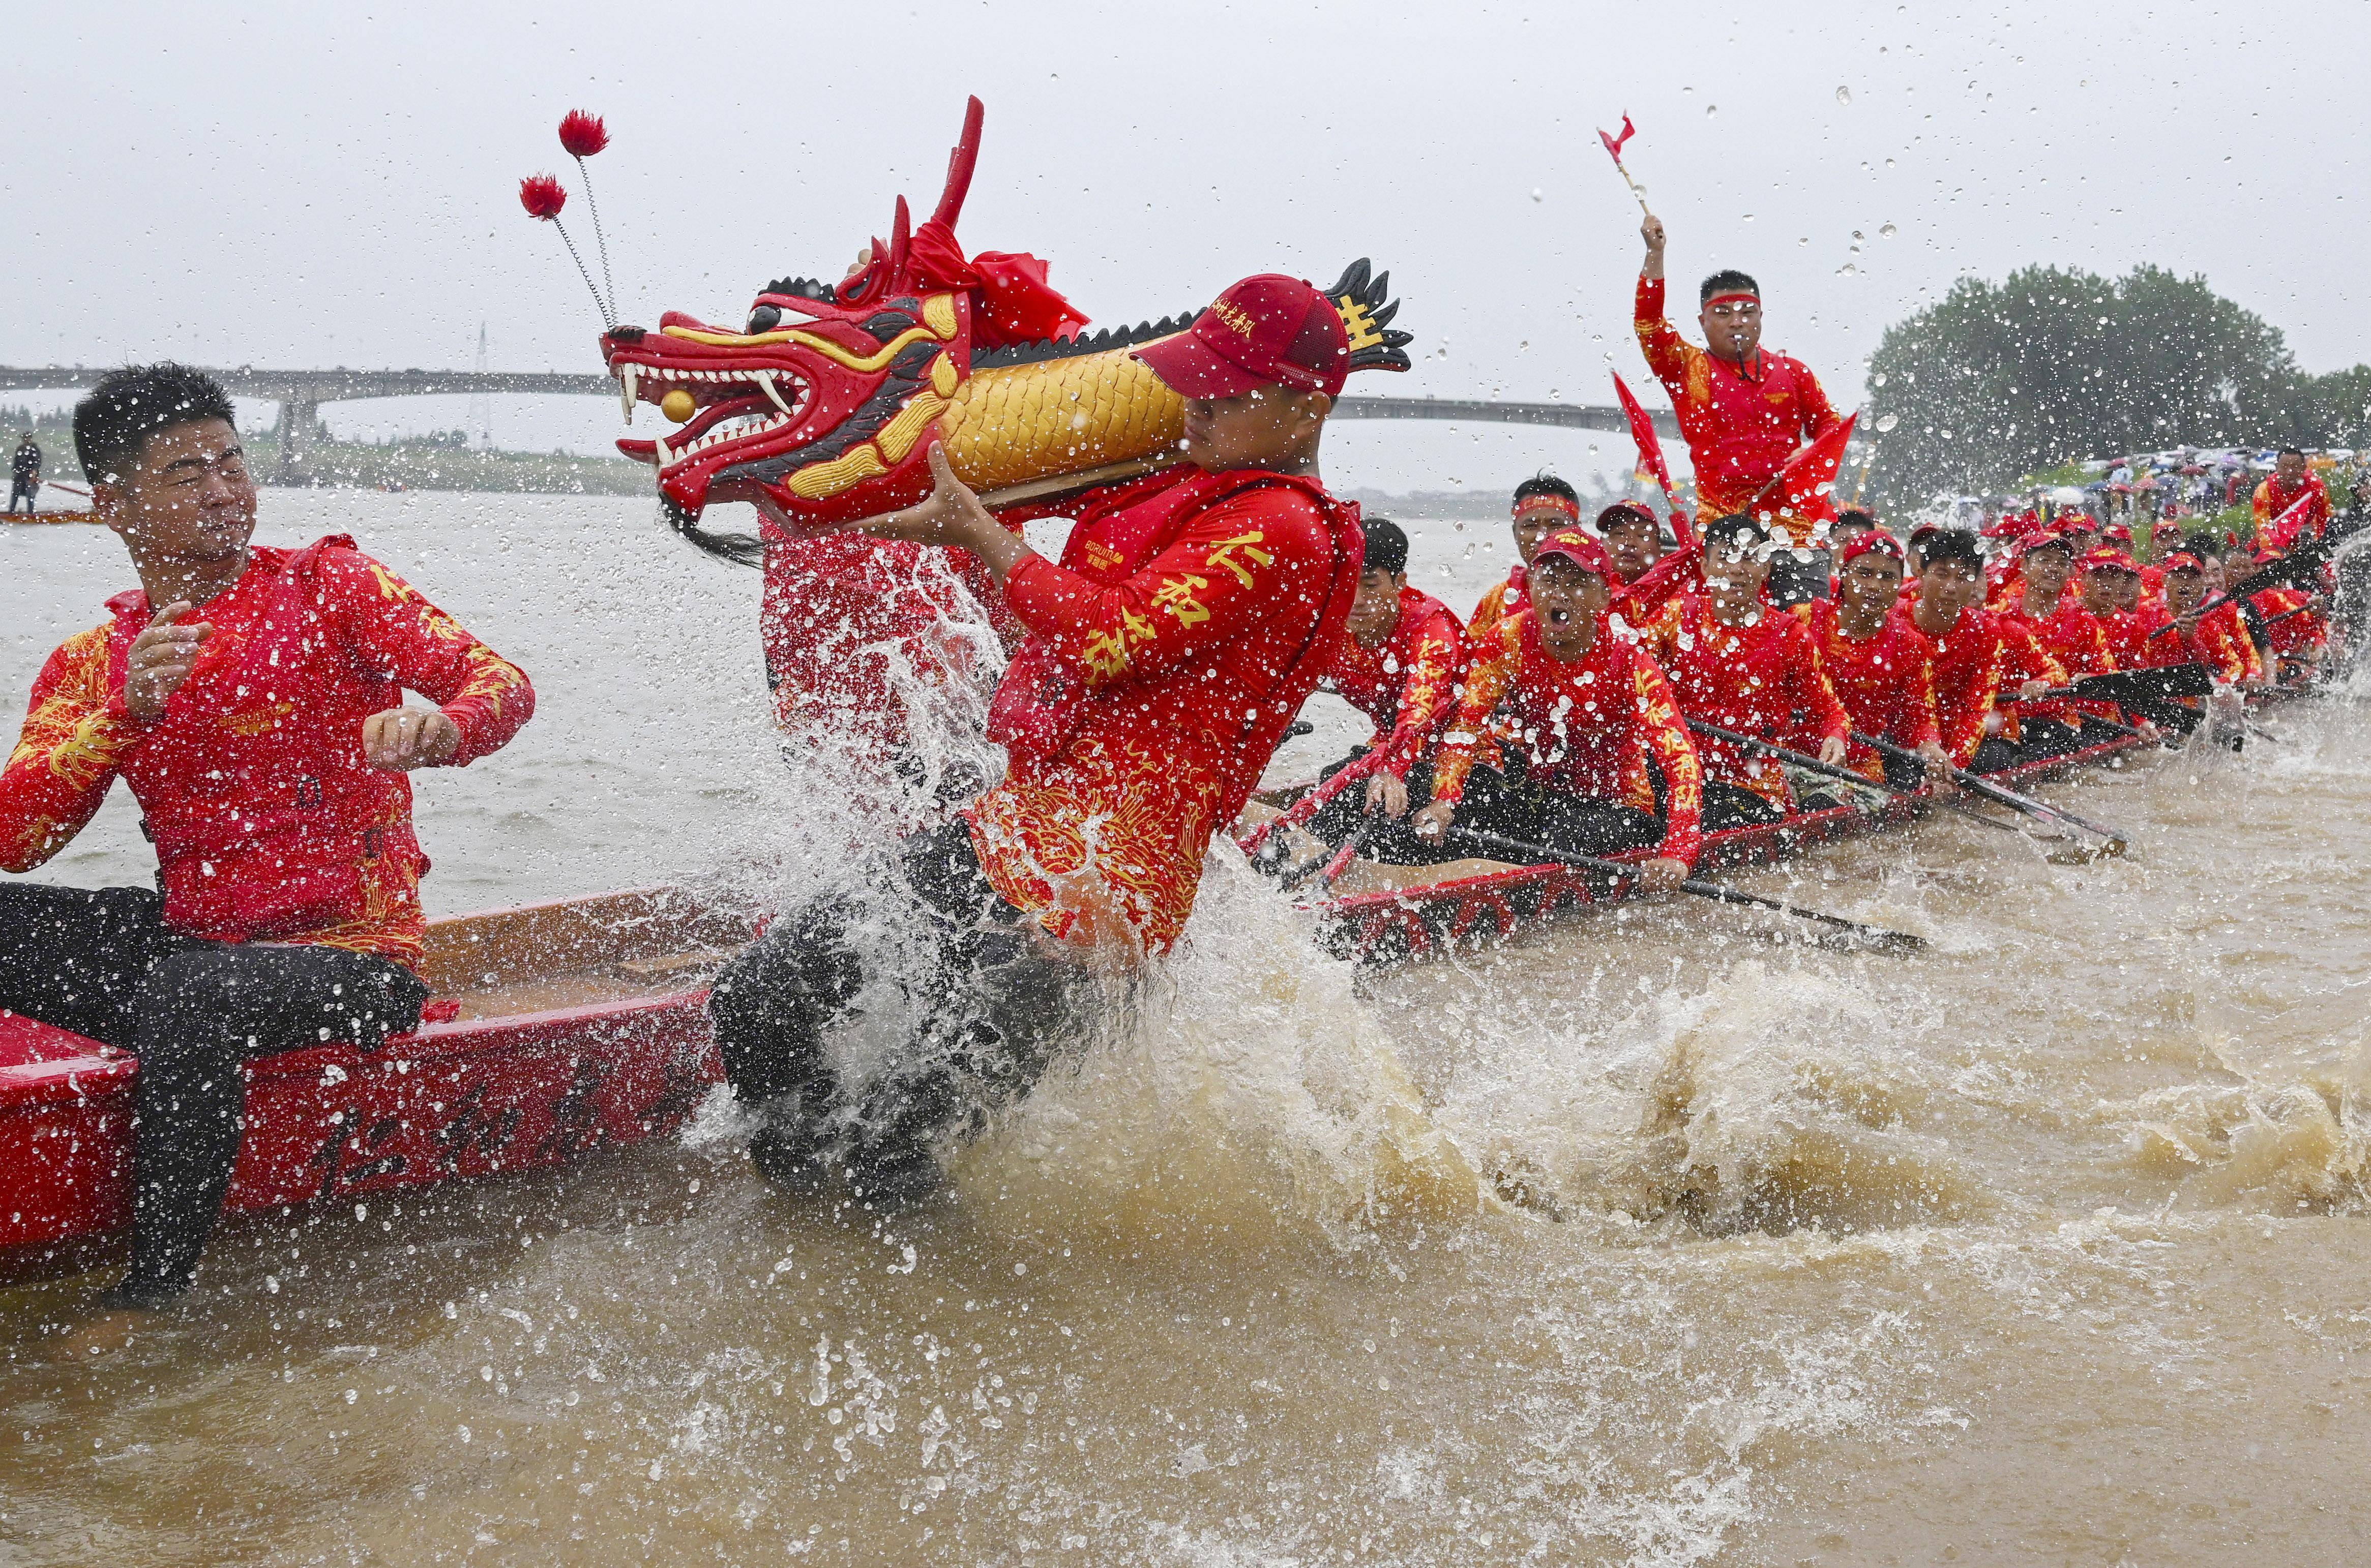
column 1641, row 679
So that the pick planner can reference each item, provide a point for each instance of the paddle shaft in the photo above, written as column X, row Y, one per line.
column 1543, row 853
column 1330, row 863
column 1805, row 760
column 1979, row 784
column 1310, row 805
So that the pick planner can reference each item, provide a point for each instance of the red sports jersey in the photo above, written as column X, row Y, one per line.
column 1592, row 727
column 1886, row 682
column 1742, row 421
column 1407, row 684
column 1762, row 680
column 269, row 824
column 1186, row 624
column 1973, row 662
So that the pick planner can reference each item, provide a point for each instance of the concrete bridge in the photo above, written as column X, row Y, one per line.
column 301, row 393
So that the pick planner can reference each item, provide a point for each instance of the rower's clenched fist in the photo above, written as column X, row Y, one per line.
column 1433, row 823
column 1388, row 793
column 1661, row 874
column 1652, row 231
column 404, row 738
column 161, row 659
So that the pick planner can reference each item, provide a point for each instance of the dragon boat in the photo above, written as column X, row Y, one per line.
column 558, row 1030
column 1381, row 913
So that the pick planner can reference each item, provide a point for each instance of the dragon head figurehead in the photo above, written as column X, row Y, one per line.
column 818, row 407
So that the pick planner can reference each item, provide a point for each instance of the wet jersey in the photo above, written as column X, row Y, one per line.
column 1762, row 680
column 1186, row 623
column 1503, row 600
column 1982, row 656
column 269, row 824
column 2271, row 504
column 1886, row 682
column 2073, row 635
column 1741, row 422
column 1600, row 726
column 1407, row 684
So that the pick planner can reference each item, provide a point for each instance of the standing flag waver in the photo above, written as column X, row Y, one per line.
column 581, row 135
column 1651, row 451
column 1614, row 151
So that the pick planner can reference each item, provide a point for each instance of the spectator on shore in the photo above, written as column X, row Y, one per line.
column 25, row 476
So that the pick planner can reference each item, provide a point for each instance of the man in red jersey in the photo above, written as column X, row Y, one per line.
column 1647, row 579
column 1594, row 723
column 1880, row 669
column 2072, row 635
column 1189, row 617
column 252, row 699
column 1976, row 654
column 1542, row 504
column 2290, row 623
column 2292, row 504
column 1743, row 410
column 1734, row 662
column 1399, row 662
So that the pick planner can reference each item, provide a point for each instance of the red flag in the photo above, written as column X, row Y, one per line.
column 1798, row 483
column 1614, row 143
column 1650, row 455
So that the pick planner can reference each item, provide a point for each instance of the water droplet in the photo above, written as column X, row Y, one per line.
column 1843, row 95
column 1711, row 110
column 1535, row 193
column 1887, row 232
column 1846, row 271
column 1887, row 422
column 1879, row 379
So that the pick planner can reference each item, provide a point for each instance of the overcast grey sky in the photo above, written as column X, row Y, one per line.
column 316, row 186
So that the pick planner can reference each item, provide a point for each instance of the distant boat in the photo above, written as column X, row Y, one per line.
column 53, row 518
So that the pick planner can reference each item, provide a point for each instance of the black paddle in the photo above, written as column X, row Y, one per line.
column 2130, row 688
column 1811, row 764
column 1978, row 784
column 1319, row 861
column 1540, row 854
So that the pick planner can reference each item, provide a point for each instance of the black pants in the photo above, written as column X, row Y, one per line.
column 1557, row 820
column 103, row 964
column 27, row 493
column 1730, row 806
column 928, row 972
column 1393, row 841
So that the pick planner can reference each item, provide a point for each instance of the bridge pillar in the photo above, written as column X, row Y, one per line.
column 297, row 421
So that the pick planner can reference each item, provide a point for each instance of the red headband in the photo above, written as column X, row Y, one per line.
column 1882, row 544
column 1733, row 294
column 1555, row 503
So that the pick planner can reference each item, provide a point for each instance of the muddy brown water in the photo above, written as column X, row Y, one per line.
column 2046, row 1247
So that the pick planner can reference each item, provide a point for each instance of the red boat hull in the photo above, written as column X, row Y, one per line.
column 462, row 1099
column 1415, row 921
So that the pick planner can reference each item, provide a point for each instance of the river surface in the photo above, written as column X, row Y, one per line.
column 2047, row 1247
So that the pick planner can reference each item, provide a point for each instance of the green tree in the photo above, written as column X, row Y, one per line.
column 1996, row 380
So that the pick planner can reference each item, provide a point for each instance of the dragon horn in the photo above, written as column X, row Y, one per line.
column 959, row 166
column 901, row 238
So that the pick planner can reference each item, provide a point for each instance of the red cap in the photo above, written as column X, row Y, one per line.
column 1876, row 540
column 2158, row 530
column 1578, row 548
column 2182, row 561
column 2120, row 531
column 2109, row 560
column 1266, row 330
column 2038, row 539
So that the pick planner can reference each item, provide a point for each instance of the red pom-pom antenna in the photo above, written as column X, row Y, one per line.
column 542, row 195
column 582, row 135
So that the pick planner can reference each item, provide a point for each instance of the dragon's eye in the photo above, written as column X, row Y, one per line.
column 764, row 319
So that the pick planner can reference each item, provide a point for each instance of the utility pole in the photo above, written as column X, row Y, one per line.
column 481, row 415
